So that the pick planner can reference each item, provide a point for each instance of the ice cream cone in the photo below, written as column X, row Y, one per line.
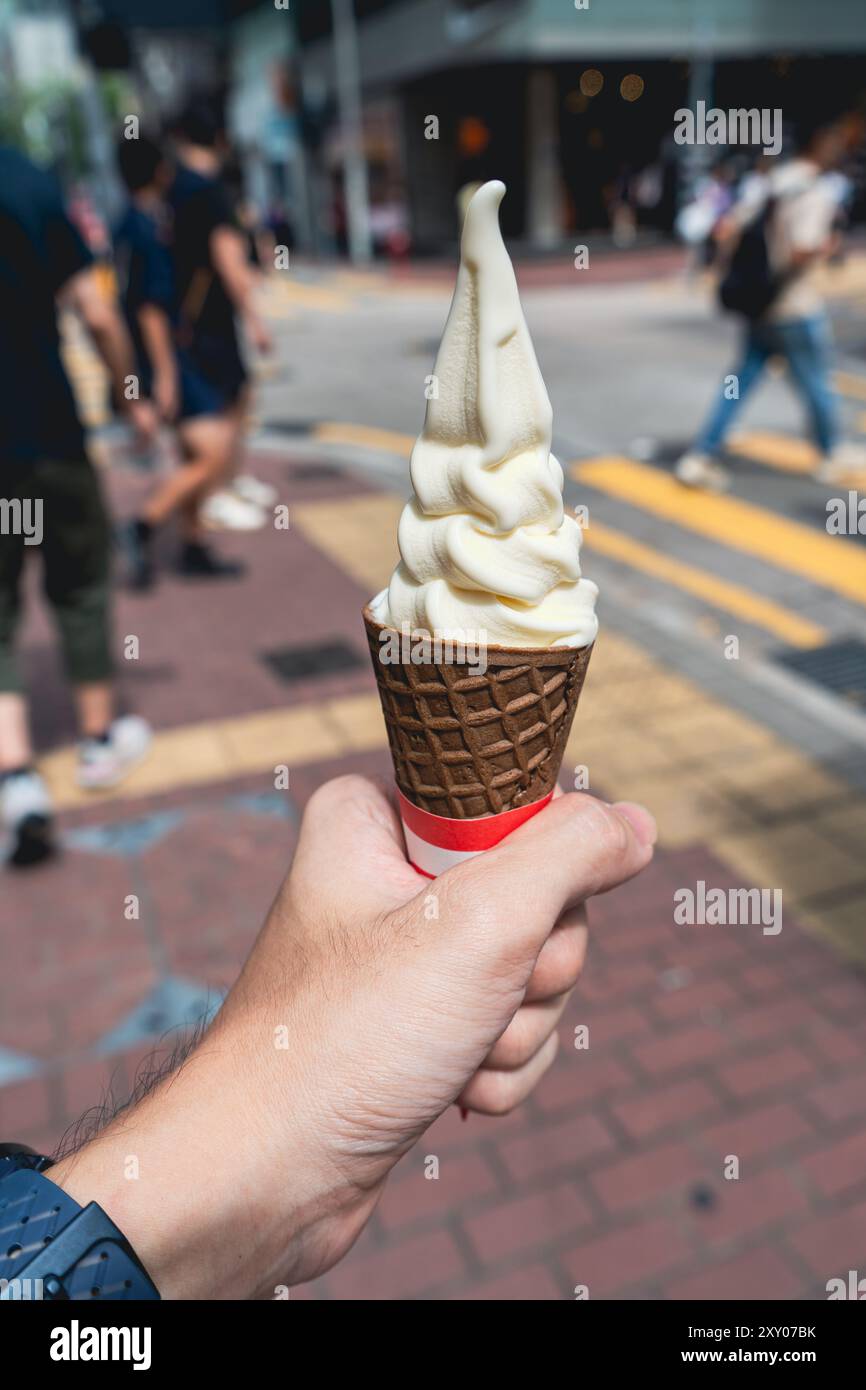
column 467, row 746
column 487, row 552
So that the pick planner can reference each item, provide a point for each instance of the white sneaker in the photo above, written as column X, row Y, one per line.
column 103, row 765
column 847, row 459
column 225, row 511
column 699, row 470
column 25, row 810
column 253, row 490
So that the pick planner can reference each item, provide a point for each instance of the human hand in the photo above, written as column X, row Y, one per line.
column 144, row 421
column 166, row 394
column 372, row 1000
column 259, row 334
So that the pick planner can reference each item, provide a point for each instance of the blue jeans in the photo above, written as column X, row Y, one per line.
column 805, row 346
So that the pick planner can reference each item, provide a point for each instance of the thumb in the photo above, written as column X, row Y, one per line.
column 576, row 847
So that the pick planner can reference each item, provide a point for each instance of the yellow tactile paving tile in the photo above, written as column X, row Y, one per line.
column 712, row 727
column 830, row 561
column 182, row 757
column 740, row 602
column 217, row 751
column 795, row 858
column 781, row 783
column 358, row 535
column 713, row 778
column 300, row 734
column 357, row 721
column 841, row 925
column 845, row 825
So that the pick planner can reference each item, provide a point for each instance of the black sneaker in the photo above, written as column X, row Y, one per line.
column 136, row 543
column 25, row 809
column 34, row 842
column 198, row 561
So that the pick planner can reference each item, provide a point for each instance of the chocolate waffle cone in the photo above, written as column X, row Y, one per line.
column 467, row 745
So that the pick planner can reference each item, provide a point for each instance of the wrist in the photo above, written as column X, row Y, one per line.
column 213, row 1207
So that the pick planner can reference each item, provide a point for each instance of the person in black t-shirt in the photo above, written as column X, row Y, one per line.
column 143, row 254
column 213, row 287
column 145, row 274
column 49, row 495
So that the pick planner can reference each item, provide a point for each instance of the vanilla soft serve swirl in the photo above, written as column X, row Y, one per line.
column 484, row 542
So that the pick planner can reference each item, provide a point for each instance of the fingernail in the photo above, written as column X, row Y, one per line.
column 640, row 820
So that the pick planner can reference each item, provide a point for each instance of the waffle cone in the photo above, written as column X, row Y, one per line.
column 467, row 745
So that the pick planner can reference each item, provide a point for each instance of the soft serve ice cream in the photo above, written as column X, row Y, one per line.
column 484, row 542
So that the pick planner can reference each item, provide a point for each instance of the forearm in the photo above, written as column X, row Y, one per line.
column 189, row 1176
column 114, row 346
column 157, row 338
column 231, row 264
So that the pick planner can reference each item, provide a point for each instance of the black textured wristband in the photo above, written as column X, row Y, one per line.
column 51, row 1248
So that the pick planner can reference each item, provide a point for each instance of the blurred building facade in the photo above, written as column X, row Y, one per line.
column 571, row 102
column 566, row 101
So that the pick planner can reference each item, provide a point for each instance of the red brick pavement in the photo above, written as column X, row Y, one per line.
column 611, row 1176
column 704, row 1042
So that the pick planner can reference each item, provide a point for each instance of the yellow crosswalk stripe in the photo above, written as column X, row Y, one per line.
column 309, row 296
column 780, row 451
column 719, row 593
column 361, row 539
column 830, row 561
column 789, row 455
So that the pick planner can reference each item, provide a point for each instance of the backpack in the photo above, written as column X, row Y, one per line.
column 750, row 284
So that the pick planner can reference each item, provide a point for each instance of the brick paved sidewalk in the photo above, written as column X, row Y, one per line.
column 705, row 1042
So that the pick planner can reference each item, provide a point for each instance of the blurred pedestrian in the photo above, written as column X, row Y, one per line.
column 142, row 255
column 146, row 276
column 51, row 497
column 213, row 287
column 698, row 220
column 775, row 240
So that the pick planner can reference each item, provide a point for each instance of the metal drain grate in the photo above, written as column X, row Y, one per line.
column 319, row 659
column 837, row 666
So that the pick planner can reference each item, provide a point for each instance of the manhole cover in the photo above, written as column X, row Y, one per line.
column 837, row 666
column 319, row 659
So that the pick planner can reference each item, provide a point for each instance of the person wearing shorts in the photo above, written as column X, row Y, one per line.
column 50, row 499
column 212, row 288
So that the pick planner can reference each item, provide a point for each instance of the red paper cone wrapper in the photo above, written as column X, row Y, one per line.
column 437, row 843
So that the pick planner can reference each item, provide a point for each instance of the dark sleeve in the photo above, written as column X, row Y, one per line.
column 66, row 252
column 156, row 282
column 215, row 210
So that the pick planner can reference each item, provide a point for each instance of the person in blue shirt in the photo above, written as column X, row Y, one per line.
column 142, row 254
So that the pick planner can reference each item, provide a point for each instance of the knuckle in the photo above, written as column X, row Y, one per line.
column 515, row 1047
column 335, row 792
column 606, row 830
column 497, row 1093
